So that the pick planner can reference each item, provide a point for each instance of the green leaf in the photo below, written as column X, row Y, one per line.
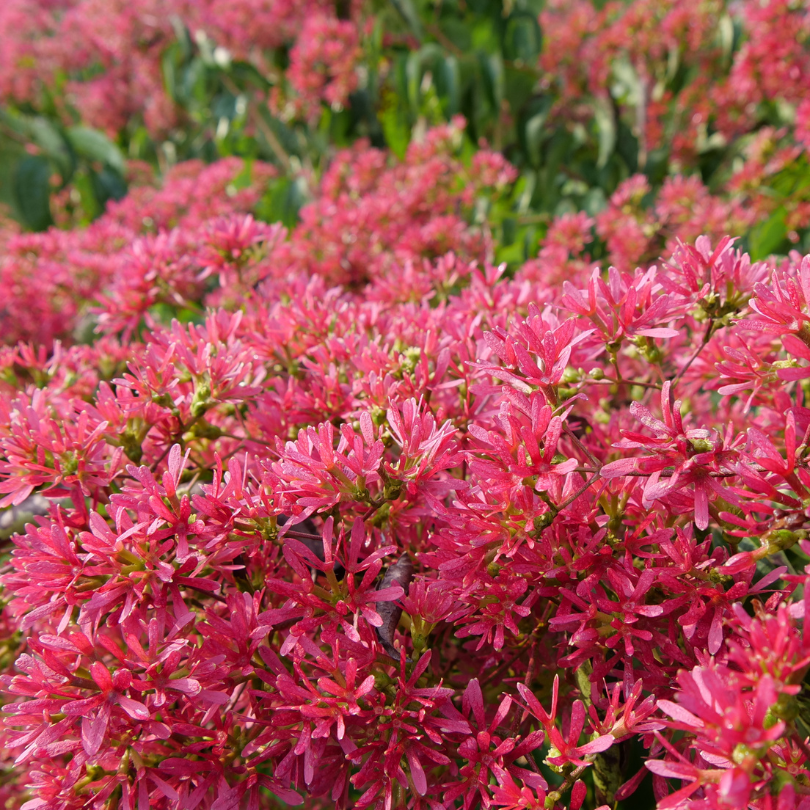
column 509, row 230
column 768, row 236
column 431, row 56
column 181, row 36
column 449, row 85
column 84, row 183
column 519, row 88
column 283, row 134
column 413, row 74
column 458, row 32
column 522, row 192
column 594, row 201
column 522, row 38
column 282, row 202
column 11, row 153
column 484, row 36
column 511, row 254
column 32, row 189
column 407, row 11
column 494, row 80
column 248, row 73
column 535, row 131
column 626, row 88
column 626, row 147
column 192, row 87
column 606, row 129
column 395, row 128
column 52, row 142
column 95, row 145
column 168, row 64
column 109, row 185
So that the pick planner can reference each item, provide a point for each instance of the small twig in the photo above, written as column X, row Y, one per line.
column 273, row 141
column 521, row 649
column 207, row 593
column 656, row 386
column 156, row 464
column 670, row 473
column 591, row 457
column 581, row 491
column 570, row 779
column 706, row 338
column 302, row 535
column 440, row 36
column 270, row 136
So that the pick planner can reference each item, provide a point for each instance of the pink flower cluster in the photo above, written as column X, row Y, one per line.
column 638, row 226
column 53, row 278
column 164, row 247
column 110, row 52
column 644, row 43
column 322, row 62
column 350, row 516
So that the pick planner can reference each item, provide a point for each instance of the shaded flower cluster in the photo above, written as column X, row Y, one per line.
column 360, row 522
column 192, row 240
column 346, row 514
column 111, row 52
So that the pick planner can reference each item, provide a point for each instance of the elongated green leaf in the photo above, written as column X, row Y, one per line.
column 407, row 11
column 52, row 142
column 395, row 128
column 95, row 145
column 168, row 65
column 282, row 202
column 246, row 73
column 32, row 191
column 494, row 79
column 109, row 185
column 534, row 137
column 450, row 85
column 768, row 236
column 413, row 74
column 606, row 128
column 522, row 37
column 283, row 134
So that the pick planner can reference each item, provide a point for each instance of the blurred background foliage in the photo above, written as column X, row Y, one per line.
column 420, row 62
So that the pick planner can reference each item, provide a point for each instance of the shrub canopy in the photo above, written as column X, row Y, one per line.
column 404, row 405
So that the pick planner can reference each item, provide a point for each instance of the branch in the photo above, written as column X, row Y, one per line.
column 706, row 338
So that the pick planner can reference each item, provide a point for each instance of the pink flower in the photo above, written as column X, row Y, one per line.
column 322, row 63
column 687, row 457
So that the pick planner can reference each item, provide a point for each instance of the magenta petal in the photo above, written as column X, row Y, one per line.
column 94, row 728
column 716, row 632
column 133, row 708
column 735, row 787
column 680, row 714
column 623, row 466
column 672, row 770
column 659, row 332
column 701, row 507
column 417, row 772
column 474, row 700
column 597, row 746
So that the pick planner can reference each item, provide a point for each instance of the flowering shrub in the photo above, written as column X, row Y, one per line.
column 465, row 540
column 699, row 107
column 162, row 250
column 112, row 50
column 370, row 503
